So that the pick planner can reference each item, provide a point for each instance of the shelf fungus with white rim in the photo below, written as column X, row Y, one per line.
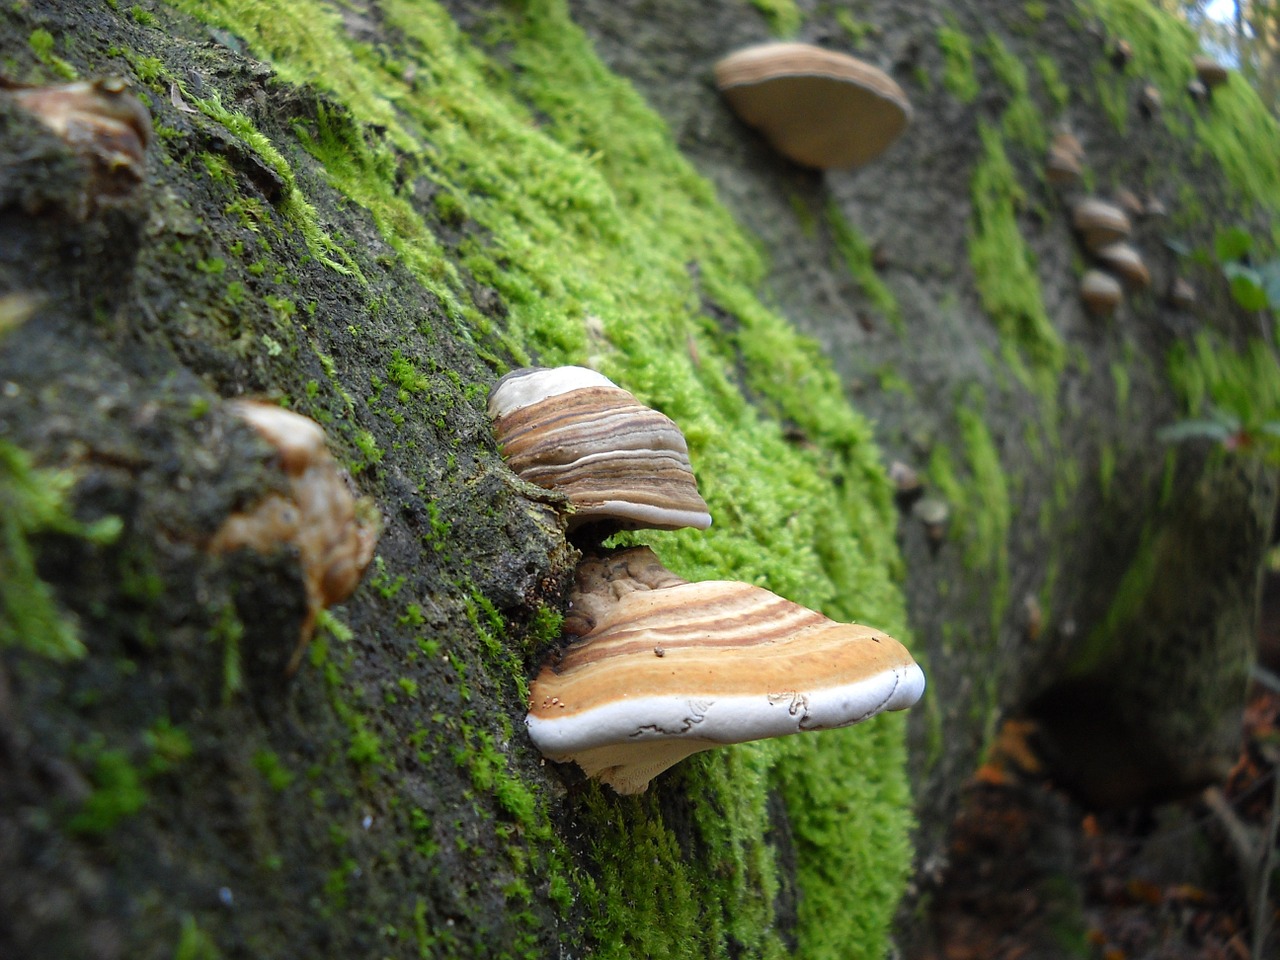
column 573, row 430
column 818, row 107
column 333, row 533
column 663, row 669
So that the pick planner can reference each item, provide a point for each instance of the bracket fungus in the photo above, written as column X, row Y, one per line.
column 667, row 668
column 1065, row 164
column 820, row 108
column 1150, row 101
column 319, row 517
column 102, row 121
column 1126, row 263
column 573, row 430
column 1209, row 71
column 1100, row 292
column 1098, row 222
column 1181, row 295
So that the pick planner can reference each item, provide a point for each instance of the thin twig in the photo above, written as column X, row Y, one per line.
column 1267, row 859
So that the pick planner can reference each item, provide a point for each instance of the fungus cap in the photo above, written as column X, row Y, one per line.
column 817, row 107
column 1181, row 295
column 1209, row 71
column 1100, row 292
column 573, row 430
column 1126, row 263
column 671, row 669
column 1098, row 222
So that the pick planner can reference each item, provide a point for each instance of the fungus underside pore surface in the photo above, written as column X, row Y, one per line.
column 587, row 222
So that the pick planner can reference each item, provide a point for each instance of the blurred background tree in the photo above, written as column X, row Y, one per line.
column 1244, row 32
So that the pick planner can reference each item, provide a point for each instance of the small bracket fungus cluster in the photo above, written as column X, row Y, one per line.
column 820, row 108
column 319, row 517
column 1104, row 228
column 659, row 668
column 102, row 121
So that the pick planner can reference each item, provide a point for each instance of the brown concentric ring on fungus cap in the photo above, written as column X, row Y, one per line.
column 668, row 668
column 817, row 107
column 1098, row 222
column 573, row 430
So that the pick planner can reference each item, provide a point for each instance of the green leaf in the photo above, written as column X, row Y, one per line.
column 1248, row 293
column 1246, row 286
column 1232, row 243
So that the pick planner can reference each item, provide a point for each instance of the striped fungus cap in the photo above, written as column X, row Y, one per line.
column 573, row 430
column 817, row 107
column 663, row 668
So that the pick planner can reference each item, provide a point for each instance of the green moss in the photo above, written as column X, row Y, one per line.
column 988, row 503
column 1004, row 270
column 117, row 792
column 857, row 256
column 1113, row 95
column 32, row 502
column 978, row 493
column 578, row 204
column 227, row 632
column 42, row 44
column 957, row 58
column 857, row 31
column 194, row 943
column 783, row 15
column 1021, row 121
column 1123, row 382
column 1133, row 590
column 170, row 747
column 295, row 207
column 1106, row 469
column 1236, row 387
column 1236, row 128
column 277, row 775
column 1054, row 85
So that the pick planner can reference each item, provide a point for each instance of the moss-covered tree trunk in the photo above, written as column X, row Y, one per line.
column 366, row 212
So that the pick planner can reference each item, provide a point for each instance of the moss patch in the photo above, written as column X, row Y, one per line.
column 857, row 256
column 783, row 15
column 1004, row 269
column 33, row 501
column 957, row 58
column 1021, row 120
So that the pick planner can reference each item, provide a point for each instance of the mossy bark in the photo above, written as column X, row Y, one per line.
column 369, row 211
column 366, row 215
column 1087, row 562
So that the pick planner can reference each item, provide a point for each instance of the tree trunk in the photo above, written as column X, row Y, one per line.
column 367, row 213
